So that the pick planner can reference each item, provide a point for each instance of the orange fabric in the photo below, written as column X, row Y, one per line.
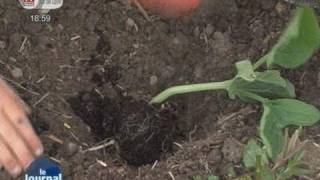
column 170, row 8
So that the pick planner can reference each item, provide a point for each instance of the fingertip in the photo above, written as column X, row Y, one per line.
column 35, row 144
column 39, row 150
column 26, row 131
column 28, row 164
column 16, row 171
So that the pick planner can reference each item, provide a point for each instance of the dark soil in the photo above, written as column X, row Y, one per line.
column 142, row 133
column 90, row 73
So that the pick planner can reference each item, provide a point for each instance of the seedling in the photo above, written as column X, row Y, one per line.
column 287, row 165
column 267, row 87
column 211, row 177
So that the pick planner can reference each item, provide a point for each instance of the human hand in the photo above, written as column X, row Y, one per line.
column 19, row 144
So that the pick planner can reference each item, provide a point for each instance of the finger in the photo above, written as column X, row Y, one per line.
column 8, row 94
column 21, row 123
column 8, row 160
column 16, row 110
column 15, row 141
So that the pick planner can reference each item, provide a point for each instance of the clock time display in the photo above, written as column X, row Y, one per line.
column 41, row 18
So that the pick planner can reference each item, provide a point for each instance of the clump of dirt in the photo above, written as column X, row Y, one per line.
column 99, row 113
column 142, row 132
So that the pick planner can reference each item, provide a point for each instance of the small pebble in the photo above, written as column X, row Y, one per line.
column 130, row 23
column 2, row 44
column 72, row 148
column 232, row 150
column 198, row 72
column 176, row 40
column 60, row 28
column 136, row 46
column 16, row 72
column 209, row 29
column 280, row 7
column 196, row 31
column 12, row 59
column 153, row 80
column 214, row 157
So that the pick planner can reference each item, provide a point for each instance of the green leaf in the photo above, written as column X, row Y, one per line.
column 295, row 167
column 231, row 172
column 245, row 70
column 298, row 170
column 212, row 177
column 245, row 177
column 272, row 77
column 268, row 84
column 279, row 114
column 299, row 41
column 263, row 172
column 296, row 159
column 251, row 152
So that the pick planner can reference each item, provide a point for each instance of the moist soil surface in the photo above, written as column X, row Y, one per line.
column 89, row 75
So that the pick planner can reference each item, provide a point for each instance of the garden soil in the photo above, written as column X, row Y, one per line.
column 90, row 73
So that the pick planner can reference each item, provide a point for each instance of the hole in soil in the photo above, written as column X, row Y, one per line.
column 142, row 132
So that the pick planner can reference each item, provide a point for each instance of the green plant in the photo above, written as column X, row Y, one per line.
column 276, row 94
column 287, row 164
column 211, row 177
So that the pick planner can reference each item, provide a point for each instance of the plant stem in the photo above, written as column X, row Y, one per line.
column 260, row 62
column 164, row 95
column 254, row 96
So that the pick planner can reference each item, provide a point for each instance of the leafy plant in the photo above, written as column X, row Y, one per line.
column 267, row 87
column 252, row 151
column 211, row 177
column 288, row 163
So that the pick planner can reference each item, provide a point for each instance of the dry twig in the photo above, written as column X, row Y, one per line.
column 142, row 10
column 102, row 146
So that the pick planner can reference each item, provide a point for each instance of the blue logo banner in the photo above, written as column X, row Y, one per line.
column 43, row 169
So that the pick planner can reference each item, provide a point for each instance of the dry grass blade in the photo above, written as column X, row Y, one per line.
column 293, row 141
column 55, row 139
column 18, row 85
column 102, row 146
column 103, row 164
column 291, row 147
column 142, row 10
